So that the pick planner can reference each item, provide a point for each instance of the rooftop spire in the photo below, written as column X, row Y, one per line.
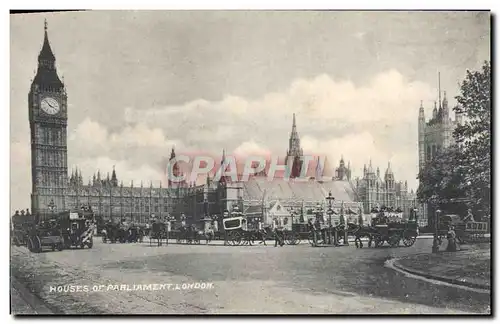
column 439, row 88
column 172, row 153
column 294, row 141
column 46, row 52
column 46, row 76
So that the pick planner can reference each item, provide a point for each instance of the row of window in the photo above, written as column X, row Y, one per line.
column 51, row 158
column 125, row 209
column 51, row 136
column 431, row 151
column 50, row 179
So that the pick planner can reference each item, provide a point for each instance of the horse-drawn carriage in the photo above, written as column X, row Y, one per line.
column 45, row 234
column 122, row 232
column 388, row 226
column 77, row 228
column 466, row 230
column 158, row 231
column 21, row 225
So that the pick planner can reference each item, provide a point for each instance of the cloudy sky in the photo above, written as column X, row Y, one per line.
column 139, row 82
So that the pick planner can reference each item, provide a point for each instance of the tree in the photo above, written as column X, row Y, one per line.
column 442, row 180
column 474, row 136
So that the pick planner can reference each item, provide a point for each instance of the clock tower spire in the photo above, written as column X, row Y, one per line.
column 47, row 104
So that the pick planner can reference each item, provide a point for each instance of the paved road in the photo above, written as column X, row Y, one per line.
column 257, row 279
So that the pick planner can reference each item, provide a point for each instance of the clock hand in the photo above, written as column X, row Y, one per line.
column 50, row 104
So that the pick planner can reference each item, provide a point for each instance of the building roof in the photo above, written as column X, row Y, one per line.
column 311, row 190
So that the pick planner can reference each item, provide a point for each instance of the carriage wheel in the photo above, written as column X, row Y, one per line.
column 394, row 240
column 292, row 238
column 90, row 243
column 310, row 238
column 237, row 238
column 29, row 245
column 378, row 241
column 408, row 239
column 35, row 244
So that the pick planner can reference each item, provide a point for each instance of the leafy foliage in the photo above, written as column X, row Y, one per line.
column 442, row 178
column 474, row 135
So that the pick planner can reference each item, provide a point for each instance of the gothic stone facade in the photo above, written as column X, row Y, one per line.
column 433, row 136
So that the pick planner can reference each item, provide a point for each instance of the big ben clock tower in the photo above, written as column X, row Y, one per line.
column 48, row 117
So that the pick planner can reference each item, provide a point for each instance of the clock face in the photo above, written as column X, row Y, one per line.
column 50, row 106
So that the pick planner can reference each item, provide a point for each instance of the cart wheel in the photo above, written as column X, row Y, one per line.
column 296, row 239
column 378, row 241
column 310, row 238
column 237, row 237
column 409, row 240
column 29, row 245
column 36, row 244
column 394, row 240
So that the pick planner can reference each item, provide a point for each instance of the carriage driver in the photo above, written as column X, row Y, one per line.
column 262, row 232
column 183, row 220
column 278, row 233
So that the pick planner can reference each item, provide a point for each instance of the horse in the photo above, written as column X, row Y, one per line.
column 362, row 231
column 208, row 234
column 157, row 233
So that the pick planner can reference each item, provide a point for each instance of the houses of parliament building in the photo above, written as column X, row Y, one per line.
column 53, row 190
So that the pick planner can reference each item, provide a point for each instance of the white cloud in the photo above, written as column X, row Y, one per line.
column 334, row 117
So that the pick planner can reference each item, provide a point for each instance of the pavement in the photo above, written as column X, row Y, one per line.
column 24, row 302
column 470, row 267
column 240, row 280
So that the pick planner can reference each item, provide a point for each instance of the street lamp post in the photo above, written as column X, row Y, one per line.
column 435, row 245
column 319, row 216
column 330, row 199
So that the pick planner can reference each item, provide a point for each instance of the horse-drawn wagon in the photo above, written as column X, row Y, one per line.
column 45, row 234
column 21, row 225
column 77, row 228
column 390, row 227
column 466, row 230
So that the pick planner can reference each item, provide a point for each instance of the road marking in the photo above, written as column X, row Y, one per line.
column 390, row 264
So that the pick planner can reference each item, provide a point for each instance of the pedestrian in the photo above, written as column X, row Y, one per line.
column 278, row 234
column 262, row 233
column 451, row 236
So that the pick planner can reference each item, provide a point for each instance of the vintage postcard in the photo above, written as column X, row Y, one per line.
column 250, row 162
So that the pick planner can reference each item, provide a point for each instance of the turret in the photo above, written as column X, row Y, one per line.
column 434, row 111
column 421, row 136
column 446, row 112
column 389, row 176
column 114, row 179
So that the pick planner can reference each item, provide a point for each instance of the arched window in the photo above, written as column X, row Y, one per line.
column 285, row 221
